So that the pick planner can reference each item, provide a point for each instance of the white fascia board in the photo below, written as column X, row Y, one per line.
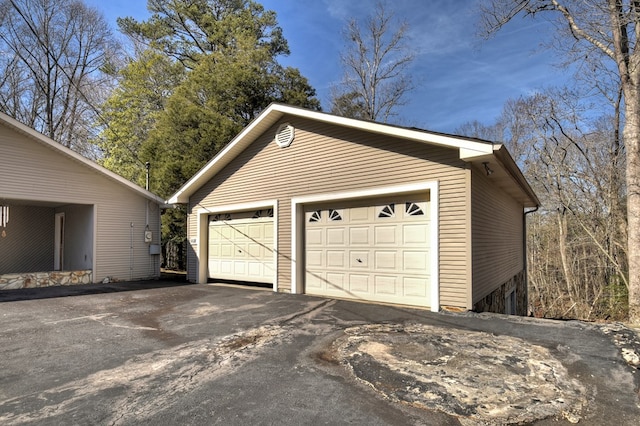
column 468, row 154
column 45, row 140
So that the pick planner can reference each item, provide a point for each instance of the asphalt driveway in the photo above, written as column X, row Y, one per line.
column 161, row 353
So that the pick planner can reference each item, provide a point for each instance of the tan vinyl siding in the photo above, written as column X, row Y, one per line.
column 40, row 175
column 325, row 159
column 284, row 246
column 497, row 236
column 192, row 259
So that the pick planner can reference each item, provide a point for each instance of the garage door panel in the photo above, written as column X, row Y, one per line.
column 415, row 234
column 226, row 233
column 415, row 261
column 336, row 236
column 315, row 282
column 314, row 259
column 214, row 266
column 385, row 234
column 240, row 268
column 314, row 237
column 254, row 250
column 226, row 267
column 255, row 231
column 226, row 250
column 359, row 235
column 385, row 260
column 359, row 214
column 359, row 259
column 385, row 285
column 254, row 269
column 335, row 282
column 359, row 283
column 414, row 287
column 336, row 259
column 268, row 231
column 241, row 249
column 384, row 251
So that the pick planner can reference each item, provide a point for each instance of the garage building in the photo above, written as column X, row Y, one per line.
column 314, row 203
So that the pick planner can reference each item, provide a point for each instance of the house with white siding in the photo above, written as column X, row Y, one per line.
column 314, row 203
column 66, row 220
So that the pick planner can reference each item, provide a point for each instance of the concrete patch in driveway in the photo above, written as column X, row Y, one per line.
column 473, row 375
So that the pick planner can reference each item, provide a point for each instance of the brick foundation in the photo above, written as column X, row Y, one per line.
column 497, row 300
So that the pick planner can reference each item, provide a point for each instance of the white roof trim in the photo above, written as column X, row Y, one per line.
column 275, row 111
column 44, row 140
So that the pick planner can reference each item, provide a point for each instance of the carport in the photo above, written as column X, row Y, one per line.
column 67, row 220
column 49, row 242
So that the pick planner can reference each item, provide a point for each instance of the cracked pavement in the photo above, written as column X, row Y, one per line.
column 160, row 353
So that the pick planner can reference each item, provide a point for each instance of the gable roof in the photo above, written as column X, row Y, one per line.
column 471, row 150
column 85, row 162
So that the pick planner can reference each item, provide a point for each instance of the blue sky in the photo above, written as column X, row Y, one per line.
column 460, row 77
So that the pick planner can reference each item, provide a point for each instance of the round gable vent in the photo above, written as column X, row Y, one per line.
column 285, row 135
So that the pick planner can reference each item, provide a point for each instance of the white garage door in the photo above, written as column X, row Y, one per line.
column 378, row 252
column 241, row 246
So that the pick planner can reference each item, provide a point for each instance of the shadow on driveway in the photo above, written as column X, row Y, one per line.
column 85, row 289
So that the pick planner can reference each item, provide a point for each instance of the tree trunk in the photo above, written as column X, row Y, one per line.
column 632, row 144
column 628, row 62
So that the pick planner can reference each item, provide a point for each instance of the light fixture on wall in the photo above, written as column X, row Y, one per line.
column 4, row 219
column 486, row 168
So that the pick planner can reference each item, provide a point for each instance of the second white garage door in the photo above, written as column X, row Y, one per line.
column 241, row 246
column 378, row 251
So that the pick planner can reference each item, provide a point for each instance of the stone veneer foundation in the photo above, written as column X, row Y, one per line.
column 45, row 279
column 496, row 301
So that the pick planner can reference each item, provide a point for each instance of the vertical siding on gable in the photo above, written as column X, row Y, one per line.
column 497, row 236
column 325, row 159
column 33, row 172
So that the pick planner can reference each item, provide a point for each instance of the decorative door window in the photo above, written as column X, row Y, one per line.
column 220, row 216
column 387, row 211
column 413, row 209
column 316, row 216
column 335, row 215
column 263, row 213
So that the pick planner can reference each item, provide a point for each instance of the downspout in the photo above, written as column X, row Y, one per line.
column 524, row 251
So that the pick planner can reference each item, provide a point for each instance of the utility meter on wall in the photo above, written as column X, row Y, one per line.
column 148, row 236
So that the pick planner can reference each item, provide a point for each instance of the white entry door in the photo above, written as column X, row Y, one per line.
column 241, row 246
column 378, row 251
